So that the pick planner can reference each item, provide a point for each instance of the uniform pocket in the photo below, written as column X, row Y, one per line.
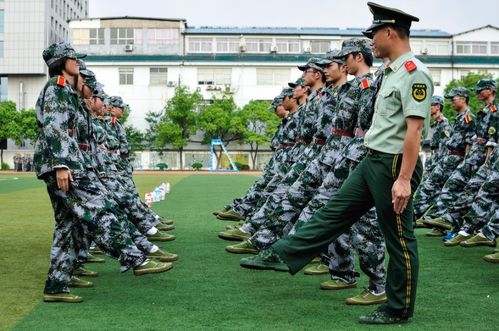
column 385, row 102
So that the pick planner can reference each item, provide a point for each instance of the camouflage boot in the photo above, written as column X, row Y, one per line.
column 435, row 233
column 162, row 256
column 234, row 234
column 165, row 227
column 478, row 241
column 337, row 284
column 152, row 267
column 456, row 240
column 317, row 269
column 492, row 258
column 367, row 298
column 62, row 297
column 77, row 282
column 83, row 272
column 242, row 248
column 161, row 236
column 94, row 259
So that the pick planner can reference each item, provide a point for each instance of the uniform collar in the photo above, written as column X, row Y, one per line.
column 399, row 62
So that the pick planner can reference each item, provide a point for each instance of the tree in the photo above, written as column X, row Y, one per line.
column 218, row 120
column 257, row 124
column 469, row 82
column 151, row 134
column 28, row 126
column 135, row 139
column 178, row 122
column 9, row 123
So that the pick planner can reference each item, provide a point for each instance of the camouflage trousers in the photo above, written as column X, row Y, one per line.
column 130, row 204
column 431, row 162
column 433, row 182
column 455, row 186
column 245, row 205
column 274, row 198
column 491, row 229
column 486, row 201
column 127, row 181
column 366, row 239
column 280, row 220
column 85, row 208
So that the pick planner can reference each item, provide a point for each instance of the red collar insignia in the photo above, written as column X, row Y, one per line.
column 365, row 83
column 113, row 120
column 493, row 108
column 61, row 81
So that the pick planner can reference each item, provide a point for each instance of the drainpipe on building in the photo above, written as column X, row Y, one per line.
column 452, row 59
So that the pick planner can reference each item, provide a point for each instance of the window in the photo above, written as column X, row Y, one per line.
column 320, row 46
column 437, row 47
column 288, row 46
column 214, row 76
column 122, row 36
column 471, row 47
column 157, row 36
column 1, row 20
column 436, row 76
column 272, row 76
column 96, row 37
column 227, row 45
column 494, row 47
column 200, row 45
column 158, row 76
column 126, row 76
column 254, row 45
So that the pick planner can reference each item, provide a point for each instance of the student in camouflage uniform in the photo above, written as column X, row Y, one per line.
column 457, row 146
column 314, row 77
column 79, row 200
column 441, row 131
column 288, row 101
column 467, row 177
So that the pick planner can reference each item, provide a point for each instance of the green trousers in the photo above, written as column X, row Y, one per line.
column 369, row 185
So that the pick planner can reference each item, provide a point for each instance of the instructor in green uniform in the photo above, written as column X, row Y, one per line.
column 386, row 178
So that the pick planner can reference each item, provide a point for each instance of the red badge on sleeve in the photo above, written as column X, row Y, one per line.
column 410, row 66
column 467, row 118
column 365, row 83
column 61, row 81
column 493, row 108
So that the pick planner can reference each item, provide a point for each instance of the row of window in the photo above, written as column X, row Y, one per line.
column 477, row 47
column 126, row 36
column 64, row 10
column 223, row 76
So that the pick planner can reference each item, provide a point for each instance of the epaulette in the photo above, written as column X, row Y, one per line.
column 468, row 118
column 365, row 83
column 113, row 120
column 60, row 81
column 410, row 66
column 493, row 108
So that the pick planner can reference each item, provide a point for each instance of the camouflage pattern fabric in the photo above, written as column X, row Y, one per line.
column 463, row 131
column 442, row 131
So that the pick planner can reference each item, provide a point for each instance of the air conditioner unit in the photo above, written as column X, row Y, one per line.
column 273, row 49
column 170, row 84
column 424, row 51
column 307, row 49
column 228, row 88
column 129, row 48
column 242, row 48
column 210, row 88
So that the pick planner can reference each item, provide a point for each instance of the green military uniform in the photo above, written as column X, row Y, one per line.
column 405, row 92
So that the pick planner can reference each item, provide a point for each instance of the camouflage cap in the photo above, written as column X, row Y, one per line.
column 117, row 102
column 276, row 102
column 354, row 45
column 459, row 91
column 436, row 99
column 314, row 63
column 84, row 71
column 91, row 82
column 99, row 92
column 287, row 92
column 383, row 15
column 298, row 82
column 485, row 83
column 332, row 56
column 59, row 51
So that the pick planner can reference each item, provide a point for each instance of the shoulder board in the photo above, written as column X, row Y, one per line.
column 61, row 81
column 113, row 120
column 410, row 66
column 365, row 83
column 493, row 108
column 468, row 118
column 440, row 119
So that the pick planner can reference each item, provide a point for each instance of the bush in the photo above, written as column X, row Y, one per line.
column 197, row 166
column 5, row 166
column 242, row 166
column 162, row 166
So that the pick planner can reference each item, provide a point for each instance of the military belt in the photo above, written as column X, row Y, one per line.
column 84, row 147
column 319, row 141
column 360, row 133
column 124, row 155
column 456, row 152
column 286, row 145
column 300, row 140
column 434, row 149
column 114, row 151
column 344, row 133
column 481, row 141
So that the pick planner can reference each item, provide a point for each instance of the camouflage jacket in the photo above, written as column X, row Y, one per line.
column 308, row 116
column 326, row 108
column 463, row 131
column 346, row 117
column 118, row 144
column 100, row 130
column 294, row 132
column 59, row 118
column 492, row 124
column 441, row 130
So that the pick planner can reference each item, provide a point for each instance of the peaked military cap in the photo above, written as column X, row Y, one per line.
column 437, row 100
column 276, row 102
column 485, row 83
column 91, row 82
column 84, row 71
column 383, row 15
column 298, row 82
column 460, row 91
column 314, row 63
column 354, row 45
column 332, row 56
column 287, row 92
column 59, row 51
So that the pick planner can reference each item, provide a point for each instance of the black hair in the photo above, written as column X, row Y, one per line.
column 368, row 58
column 323, row 75
column 57, row 67
column 402, row 32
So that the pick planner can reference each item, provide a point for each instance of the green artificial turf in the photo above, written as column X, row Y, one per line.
column 207, row 289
